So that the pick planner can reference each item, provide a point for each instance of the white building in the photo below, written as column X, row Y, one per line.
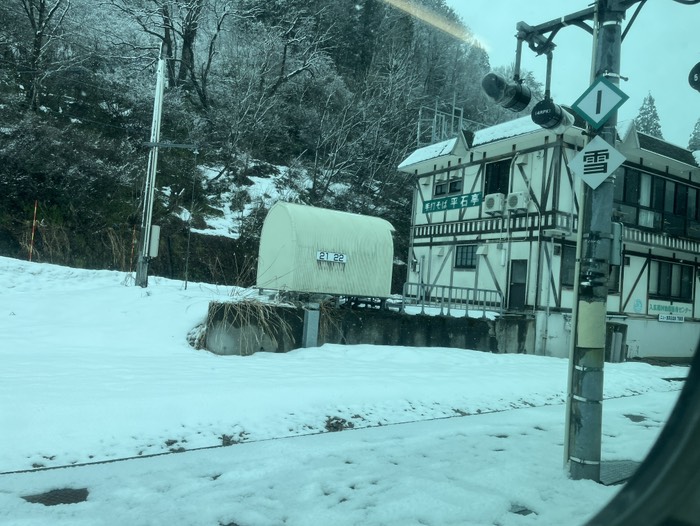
column 500, row 215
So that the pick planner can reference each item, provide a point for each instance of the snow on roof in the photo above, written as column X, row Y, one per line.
column 506, row 129
column 513, row 128
column 624, row 127
column 430, row 152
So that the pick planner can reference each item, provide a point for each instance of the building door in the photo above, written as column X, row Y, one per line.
column 518, row 282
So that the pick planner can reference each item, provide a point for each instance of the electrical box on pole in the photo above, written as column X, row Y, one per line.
column 154, row 241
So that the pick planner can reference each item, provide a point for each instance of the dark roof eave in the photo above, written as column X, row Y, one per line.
column 665, row 149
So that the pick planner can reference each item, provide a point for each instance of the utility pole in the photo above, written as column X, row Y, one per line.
column 584, row 418
column 585, row 401
column 149, row 185
column 582, row 444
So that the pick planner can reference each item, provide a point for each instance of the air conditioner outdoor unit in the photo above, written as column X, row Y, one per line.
column 518, row 201
column 493, row 204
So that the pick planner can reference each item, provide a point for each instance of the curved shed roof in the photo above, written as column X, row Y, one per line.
column 294, row 236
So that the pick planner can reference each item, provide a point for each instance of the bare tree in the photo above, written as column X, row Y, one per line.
column 302, row 49
column 45, row 19
column 188, row 31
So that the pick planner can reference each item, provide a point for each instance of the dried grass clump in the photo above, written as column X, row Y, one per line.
column 263, row 320
column 331, row 322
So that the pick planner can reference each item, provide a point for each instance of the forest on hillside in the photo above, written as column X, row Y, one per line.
column 330, row 89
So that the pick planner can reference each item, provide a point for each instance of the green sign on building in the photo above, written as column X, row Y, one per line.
column 452, row 203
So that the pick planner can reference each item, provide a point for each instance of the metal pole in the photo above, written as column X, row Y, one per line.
column 31, row 242
column 577, row 267
column 149, row 185
column 589, row 348
column 189, row 220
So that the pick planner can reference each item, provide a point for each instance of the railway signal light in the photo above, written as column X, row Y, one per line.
column 551, row 116
column 512, row 95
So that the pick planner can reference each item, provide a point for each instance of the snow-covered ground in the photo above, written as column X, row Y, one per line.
column 94, row 369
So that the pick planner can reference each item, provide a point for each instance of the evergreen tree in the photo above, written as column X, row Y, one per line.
column 694, row 142
column 647, row 120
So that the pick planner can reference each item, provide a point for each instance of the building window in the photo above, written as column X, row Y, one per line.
column 465, row 256
column 671, row 281
column 455, row 186
column 669, row 197
column 614, row 279
column 649, row 219
column 692, row 203
column 681, row 207
column 658, row 194
column 653, row 202
column 440, row 189
column 632, row 182
column 568, row 265
column 497, row 176
column 645, row 190
column 686, row 282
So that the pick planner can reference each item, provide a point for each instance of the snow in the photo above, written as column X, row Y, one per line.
column 624, row 128
column 96, row 369
column 504, row 130
column 234, row 202
column 429, row 152
column 264, row 191
column 452, row 311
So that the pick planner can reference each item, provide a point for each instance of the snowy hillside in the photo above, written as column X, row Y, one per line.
column 96, row 369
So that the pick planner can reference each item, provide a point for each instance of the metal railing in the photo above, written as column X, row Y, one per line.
column 448, row 298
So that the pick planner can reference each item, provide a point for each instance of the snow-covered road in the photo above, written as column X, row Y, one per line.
column 94, row 369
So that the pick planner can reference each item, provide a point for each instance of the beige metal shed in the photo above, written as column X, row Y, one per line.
column 308, row 249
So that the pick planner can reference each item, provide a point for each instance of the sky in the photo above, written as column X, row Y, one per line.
column 96, row 369
column 657, row 54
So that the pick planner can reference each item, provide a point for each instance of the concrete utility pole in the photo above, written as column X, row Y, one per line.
column 145, row 242
column 585, row 401
column 582, row 448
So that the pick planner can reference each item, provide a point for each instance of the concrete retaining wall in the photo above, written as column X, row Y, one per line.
column 225, row 334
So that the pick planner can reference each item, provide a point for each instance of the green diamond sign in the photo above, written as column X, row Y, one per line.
column 599, row 101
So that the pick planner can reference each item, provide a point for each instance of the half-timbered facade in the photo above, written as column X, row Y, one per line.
column 498, row 211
